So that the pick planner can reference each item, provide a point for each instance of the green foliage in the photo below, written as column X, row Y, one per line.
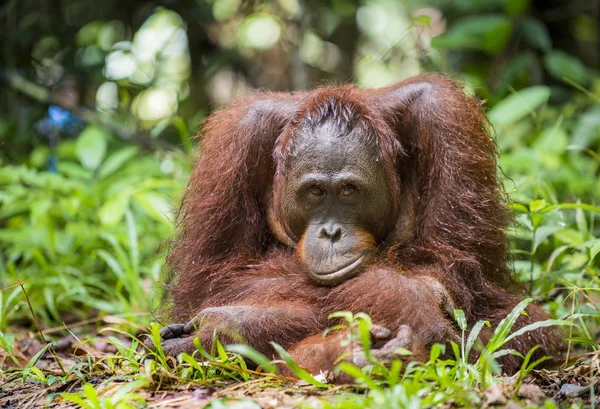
column 87, row 236
column 443, row 380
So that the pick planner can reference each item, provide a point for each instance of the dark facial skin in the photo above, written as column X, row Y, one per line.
column 336, row 204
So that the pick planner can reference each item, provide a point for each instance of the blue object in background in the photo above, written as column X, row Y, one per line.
column 64, row 120
column 58, row 121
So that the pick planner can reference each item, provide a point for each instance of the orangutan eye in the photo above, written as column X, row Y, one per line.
column 316, row 191
column 348, row 190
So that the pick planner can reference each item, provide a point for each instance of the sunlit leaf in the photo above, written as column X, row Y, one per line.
column 518, row 105
column 155, row 205
column 91, row 147
column 115, row 161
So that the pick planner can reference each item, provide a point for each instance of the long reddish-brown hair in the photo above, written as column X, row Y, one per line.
column 440, row 160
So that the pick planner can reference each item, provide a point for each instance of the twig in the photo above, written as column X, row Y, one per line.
column 37, row 325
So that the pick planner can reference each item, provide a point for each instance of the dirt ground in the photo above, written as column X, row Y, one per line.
column 565, row 387
column 579, row 382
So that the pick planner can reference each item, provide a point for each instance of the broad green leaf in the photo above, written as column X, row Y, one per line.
column 74, row 171
column 581, row 221
column 551, row 141
column 564, row 66
column 545, row 231
column 115, row 161
column 155, row 205
column 515, row 7
column 91, row 394
column 496, row 38
column 91, row 147
column 489, row 33
column 518, row 106
column 113, row 210
column 587, row 130
column 537, row 34
column 594, row 249
column 537, row 205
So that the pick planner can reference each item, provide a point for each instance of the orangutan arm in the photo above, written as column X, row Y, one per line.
column 254, row 325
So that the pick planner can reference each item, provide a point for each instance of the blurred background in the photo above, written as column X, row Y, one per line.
column 99, row 102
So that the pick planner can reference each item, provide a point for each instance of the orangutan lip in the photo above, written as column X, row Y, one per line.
column 331, row 276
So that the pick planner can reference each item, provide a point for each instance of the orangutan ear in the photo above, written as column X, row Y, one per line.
column 276, row 227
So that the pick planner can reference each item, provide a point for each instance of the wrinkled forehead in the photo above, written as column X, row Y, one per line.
column 325, row 148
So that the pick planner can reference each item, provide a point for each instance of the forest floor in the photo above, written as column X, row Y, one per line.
column 97, row 375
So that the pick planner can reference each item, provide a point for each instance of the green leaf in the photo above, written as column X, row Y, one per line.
column 91, row 147
column 545, row 231
column 112, row 263
column 134, row 250
column 564, row 66
column 537, row 205
column 587, row 130
column 76, row 399
column 515, row 7
column 113, row 210
column 594, row 251
column 160, row 127
column 155, row 205
column 496, row 38
column 536, row 33
column 489, row 33
column 499, row 337
column 115, row 161
column 536, row 325
column 34, row 360
column 357, row 374
column 299, row 372
column 461, row 320
column 91, row 394
column 551, row 141
column 422, row 19
column 473, row 335
column 184, row 133
column 127, row 388
column 252, row 354
column 518, row 106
